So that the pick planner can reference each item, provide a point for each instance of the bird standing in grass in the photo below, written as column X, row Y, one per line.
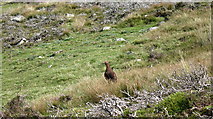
column 109, row 73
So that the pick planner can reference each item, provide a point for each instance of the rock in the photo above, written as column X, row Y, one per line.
column 39, row 40
column 70, row 15
column 155, row 55
column 129, row 52
column 24, row 40
column 120, row 39
column 60, row 51
column 113, row 11
column 106, row 28
column 153, row 28
column 40, row 57
column 82, row 14
column 18, row 18
column 162, row 22
column 50, row 66
column 1, row 114
column 41, row 9
column 138, row 60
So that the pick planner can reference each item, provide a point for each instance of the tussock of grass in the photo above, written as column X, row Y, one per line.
column 79, row 23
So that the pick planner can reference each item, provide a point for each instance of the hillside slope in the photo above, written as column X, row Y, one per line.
column 56, row 58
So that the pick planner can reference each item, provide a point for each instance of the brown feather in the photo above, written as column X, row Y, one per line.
column 109, row 74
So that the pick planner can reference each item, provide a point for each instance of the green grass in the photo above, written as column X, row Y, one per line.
column 82, row 56
column 6, row 8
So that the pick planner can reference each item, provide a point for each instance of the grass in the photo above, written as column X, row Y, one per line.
column 7, row 8
column 74, row 66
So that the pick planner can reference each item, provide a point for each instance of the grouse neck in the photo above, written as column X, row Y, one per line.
column 107, row 66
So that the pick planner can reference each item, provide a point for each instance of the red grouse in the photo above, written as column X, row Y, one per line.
column 109, row 73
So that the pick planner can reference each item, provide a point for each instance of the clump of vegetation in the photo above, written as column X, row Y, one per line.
column 136, row 21
column 175, row 103
column 18, row 107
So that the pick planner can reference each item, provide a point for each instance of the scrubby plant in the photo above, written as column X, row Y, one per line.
column 174, row 103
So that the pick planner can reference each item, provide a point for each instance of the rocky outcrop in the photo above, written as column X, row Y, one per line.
column 21, row 31
column 114, row 11
column 18, row 32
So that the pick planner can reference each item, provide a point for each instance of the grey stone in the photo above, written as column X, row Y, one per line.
column 23, row 40
column 120, row 39
column 106, row 28
column 18, row 18
column 153, row 28
column 70, row 15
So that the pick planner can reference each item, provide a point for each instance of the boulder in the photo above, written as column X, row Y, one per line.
column 18, row 18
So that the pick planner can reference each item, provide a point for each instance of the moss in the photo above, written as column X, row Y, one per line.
column 126, row 113
column 175, row 103
column 148, row 112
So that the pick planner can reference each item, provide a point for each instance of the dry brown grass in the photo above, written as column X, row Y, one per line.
column 26, row 8
column 79, row 23
column 41, row 105
column 184, row 23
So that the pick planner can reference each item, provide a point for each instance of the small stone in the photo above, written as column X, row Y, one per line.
column 129, row 52
column 82, row 14
column 24, row 40
column 138, row 60
column 18, row 18
column 57, row 52
column 106, row 28
column 162, row 22
column 40, row 57
column 120, row 39
column 39, row 40
column 153, row 28
column 50, row 66
column 70, row 15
